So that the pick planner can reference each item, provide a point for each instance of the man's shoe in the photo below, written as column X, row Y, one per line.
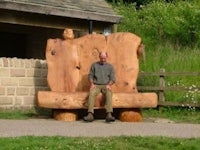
column 89, row 117
column 109, row 117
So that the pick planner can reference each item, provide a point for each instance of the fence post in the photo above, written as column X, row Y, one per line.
column 162, row 84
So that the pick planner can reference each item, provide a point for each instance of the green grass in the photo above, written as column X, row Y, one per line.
column 16, row 114
column 182, row 60
column 24, row 114
column 172, row 60
column 176, row 114
column 110, row 143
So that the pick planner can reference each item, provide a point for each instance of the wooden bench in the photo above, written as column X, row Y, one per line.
column 69, row 62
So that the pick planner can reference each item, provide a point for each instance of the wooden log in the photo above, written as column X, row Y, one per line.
column 65, row 115
column 78, row 100
column 130, row 115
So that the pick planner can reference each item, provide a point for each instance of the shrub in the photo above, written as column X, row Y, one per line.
column 176, row 23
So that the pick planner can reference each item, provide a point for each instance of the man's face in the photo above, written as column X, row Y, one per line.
column 103, row 58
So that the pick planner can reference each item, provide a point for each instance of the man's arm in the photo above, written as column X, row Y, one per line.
column 112, row 79
column 90, row 77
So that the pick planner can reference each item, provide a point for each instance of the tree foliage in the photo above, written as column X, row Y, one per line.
column 176, row 22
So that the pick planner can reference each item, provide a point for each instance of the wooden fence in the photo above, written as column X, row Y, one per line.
column 162, row 88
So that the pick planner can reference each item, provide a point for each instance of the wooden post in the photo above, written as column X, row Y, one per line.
column 162, row 84
column 114, row 28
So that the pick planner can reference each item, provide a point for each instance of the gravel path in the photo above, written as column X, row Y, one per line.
column 98, row 128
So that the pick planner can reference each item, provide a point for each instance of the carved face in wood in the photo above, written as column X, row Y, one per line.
column 68, row 34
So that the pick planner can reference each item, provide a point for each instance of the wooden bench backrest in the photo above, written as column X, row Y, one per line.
column 69, row 61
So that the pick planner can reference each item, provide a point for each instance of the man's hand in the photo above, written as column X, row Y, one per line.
column 108, row 87
column 92, row 86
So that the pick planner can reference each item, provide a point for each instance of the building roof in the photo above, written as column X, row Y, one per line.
column 98, row 10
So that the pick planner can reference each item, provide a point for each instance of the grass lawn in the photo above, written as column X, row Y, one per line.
column 176, row 114
column 110, row 143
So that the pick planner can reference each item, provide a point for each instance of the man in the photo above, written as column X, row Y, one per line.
column 101, row 77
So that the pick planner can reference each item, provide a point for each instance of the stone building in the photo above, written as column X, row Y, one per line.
column 25, row 26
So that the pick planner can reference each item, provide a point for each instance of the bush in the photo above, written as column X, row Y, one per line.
column 176, row 23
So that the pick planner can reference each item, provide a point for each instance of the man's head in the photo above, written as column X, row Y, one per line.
column 68, row 34
column 103, row 57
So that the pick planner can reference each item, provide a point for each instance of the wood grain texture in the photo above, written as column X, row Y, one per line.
column 130, row 115
column 78, row 100
column 69, row 61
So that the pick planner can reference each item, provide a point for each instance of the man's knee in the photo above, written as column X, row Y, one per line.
column 93, row 92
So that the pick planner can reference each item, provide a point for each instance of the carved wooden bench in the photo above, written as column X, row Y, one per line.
column 69, row 62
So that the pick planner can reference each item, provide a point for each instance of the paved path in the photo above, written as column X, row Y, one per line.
column 98, row 128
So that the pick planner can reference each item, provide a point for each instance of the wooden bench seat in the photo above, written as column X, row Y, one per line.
column 69, row 62
column 66, row 104
column 78, row 100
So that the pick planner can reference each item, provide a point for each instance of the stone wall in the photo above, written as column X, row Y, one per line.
column 20, row 79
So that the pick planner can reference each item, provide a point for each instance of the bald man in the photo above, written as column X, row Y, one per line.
column 101, row 78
